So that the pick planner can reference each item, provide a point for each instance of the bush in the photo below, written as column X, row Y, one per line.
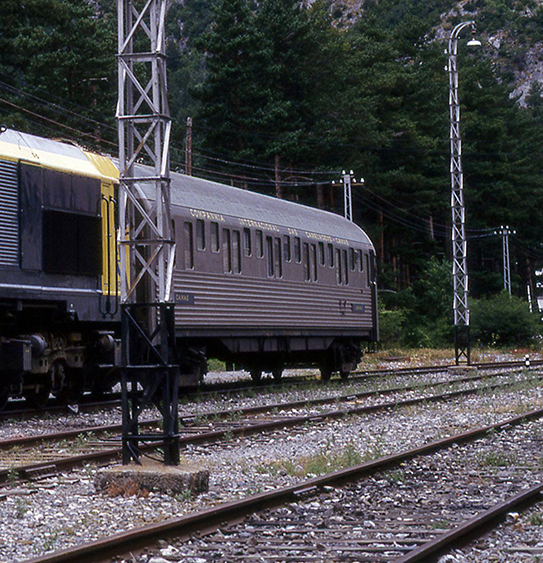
column 502, row 320
column 390, row 326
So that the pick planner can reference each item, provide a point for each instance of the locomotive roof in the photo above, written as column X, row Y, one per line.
column 212, row 197
column 56, row 155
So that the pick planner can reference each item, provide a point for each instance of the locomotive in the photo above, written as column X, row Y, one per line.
column 259, row 282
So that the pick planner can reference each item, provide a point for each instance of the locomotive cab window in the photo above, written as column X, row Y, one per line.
column 331, row 255
column 72, row 243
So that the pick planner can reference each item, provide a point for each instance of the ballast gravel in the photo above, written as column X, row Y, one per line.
column 65, row 510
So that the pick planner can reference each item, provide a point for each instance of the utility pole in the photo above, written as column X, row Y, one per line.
column 504, row 232
column 147, row 245
column 347, row 195
column 188, row 148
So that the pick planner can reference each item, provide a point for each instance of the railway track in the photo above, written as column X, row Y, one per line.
column 40, row 456
column 350, row 515
column 18, row 409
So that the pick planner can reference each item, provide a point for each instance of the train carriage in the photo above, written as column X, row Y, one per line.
column 267, row 283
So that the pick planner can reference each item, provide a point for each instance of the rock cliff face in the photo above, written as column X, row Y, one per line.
column 511, row 32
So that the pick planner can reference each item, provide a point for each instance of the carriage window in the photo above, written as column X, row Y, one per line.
column 269, row 256
column 297, row 249
column 215, row 246
column 360, row 261
column 339, row 268
column 189, row 246
column 236, row 251
column 226, row 250
column 307, row 265
column 322, row 257
column 346, row 266
column 247, row 246
column 315, row 263
column 278, row 255
column 286, row 246
column 259, row 244
column 369, row 271
column 331, row 255
column 352, row 253
column 200, row 234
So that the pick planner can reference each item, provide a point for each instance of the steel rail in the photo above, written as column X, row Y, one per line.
column 36, row 470
column 210, row 519
column 432, row 548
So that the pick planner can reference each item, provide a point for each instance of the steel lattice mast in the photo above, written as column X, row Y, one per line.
column 459, row 242
column 147, row 245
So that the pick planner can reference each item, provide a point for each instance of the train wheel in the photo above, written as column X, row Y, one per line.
column 326, row 372
column 256, row 374
column 37, row 396
column 344, row 375
column 277, row 373
column 74, row 387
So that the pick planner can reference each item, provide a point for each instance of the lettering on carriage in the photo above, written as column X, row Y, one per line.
column 259, row 225
column 326, row 238
column 184, row 298
column 199, row 214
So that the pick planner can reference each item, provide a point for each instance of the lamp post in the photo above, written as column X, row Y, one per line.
column 459, row 242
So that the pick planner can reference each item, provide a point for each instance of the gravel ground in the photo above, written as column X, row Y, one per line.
column 59, row 512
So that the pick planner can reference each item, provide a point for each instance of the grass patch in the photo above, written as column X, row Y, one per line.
column 320, row 463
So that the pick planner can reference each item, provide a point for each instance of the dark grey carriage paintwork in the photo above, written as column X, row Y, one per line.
column 212, row 302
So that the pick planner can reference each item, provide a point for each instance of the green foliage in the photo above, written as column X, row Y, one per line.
column 422, row 315
column 57, row 56
column 502, row 320
column 391, row 324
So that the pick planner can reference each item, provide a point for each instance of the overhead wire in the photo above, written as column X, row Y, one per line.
column 412, row 221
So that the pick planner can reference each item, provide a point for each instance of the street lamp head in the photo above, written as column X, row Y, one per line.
column 473, row 43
